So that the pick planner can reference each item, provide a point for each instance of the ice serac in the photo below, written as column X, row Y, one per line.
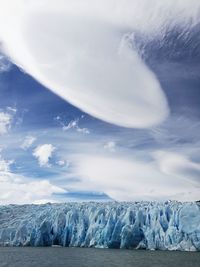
column 140, row 225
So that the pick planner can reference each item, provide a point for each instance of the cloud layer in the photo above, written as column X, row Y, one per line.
column 83, row 52
column 131, row 179
column 92, row 53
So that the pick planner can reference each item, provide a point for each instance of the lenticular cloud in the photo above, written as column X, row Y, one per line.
column 81, row 50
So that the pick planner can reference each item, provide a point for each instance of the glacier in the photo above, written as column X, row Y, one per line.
column 169, row 225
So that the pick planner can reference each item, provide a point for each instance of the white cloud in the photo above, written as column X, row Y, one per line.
column 83, row 130
column 89, row 60
column 111, row 145
column 43, row 153
column 71, row 125
column 5, row 64
column 130, row 179
column 15, row 188
column 11, row 109
column 5, row 122
column 5, row 165
column 91, row 63
column 62, row 163
column 6, row 119
column 28, row 141
column 177, row 165
column 74, row 124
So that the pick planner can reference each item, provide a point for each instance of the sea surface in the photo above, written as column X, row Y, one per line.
column 90, row 257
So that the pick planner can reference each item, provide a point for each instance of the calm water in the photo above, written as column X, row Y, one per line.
column 72, row 257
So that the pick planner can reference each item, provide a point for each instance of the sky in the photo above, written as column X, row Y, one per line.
column 99, row 100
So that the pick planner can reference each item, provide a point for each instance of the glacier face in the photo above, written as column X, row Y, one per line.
column 142, row 225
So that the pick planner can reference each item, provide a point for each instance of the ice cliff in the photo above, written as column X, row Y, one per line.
column 142, row 225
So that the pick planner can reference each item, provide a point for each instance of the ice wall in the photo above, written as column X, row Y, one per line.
column 141, row 225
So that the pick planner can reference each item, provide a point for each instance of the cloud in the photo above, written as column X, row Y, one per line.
column 61, row 162
column 15, row 188
column 6, row 119
column 110, row 146
column 73, row 124
column 43, row 153
column 5, row 122
column 5, row 64
column 90, row 61
column 138, row 169
column 83, row 130
column 11, row 109
column 5, row 165
column 177, row 165
column 28, row 141
column 129, row 179
column 132, row 172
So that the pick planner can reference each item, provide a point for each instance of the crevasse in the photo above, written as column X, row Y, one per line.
column 141, row 225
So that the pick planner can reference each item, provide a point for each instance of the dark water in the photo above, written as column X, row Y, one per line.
column 87, row 257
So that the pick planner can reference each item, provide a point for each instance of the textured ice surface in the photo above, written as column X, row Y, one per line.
column 142, row 225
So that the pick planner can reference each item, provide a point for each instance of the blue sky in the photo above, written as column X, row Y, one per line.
column 132, row 129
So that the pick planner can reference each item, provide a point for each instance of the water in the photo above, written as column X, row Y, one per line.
column 90, row 257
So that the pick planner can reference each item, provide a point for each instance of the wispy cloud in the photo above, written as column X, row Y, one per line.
column 5, row 165
column 123, row 172
column 111, row 145
column 62, row 163
column 5, row 64
column 73, row 124
column 28, row 142
column 6, row 119
column 5, row 122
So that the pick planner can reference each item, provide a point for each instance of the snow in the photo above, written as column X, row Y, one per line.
column 142, row 225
